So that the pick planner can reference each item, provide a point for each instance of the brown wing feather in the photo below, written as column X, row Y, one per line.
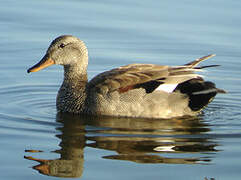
column 197, row 61
column 132, row 76
column 126, row 77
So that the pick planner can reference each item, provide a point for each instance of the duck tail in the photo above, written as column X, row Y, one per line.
column 199, row 92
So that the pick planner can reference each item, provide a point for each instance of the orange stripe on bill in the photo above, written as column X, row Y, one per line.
column 45, row 62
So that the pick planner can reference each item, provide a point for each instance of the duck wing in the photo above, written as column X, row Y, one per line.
column 151, row 77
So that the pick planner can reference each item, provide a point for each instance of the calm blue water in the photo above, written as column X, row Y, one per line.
column 37, row 143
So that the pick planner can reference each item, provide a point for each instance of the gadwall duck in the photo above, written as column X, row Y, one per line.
column 135, row 90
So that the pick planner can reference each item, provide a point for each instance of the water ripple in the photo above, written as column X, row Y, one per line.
column 27, row 106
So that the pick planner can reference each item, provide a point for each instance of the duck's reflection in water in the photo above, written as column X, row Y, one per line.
column 172, row 141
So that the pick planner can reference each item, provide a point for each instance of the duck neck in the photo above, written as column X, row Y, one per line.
column 73, row 75
column 72, row 94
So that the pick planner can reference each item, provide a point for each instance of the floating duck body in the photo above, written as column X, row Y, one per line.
column 135, row 90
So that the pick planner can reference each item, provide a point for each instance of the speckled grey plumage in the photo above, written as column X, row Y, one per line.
column 108, row 93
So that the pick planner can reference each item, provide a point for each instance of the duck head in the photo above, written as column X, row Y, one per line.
column 65, row 50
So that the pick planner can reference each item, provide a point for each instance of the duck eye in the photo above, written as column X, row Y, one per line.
column 62, row 45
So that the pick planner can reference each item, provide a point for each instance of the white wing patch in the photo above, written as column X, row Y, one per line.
column 164, row 148
column 166, row 87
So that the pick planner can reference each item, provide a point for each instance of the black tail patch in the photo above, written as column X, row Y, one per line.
column 200, row 92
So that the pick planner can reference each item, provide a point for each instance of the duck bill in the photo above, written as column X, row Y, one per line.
column 45, row 62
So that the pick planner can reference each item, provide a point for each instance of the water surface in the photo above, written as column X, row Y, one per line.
column 38, row 143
